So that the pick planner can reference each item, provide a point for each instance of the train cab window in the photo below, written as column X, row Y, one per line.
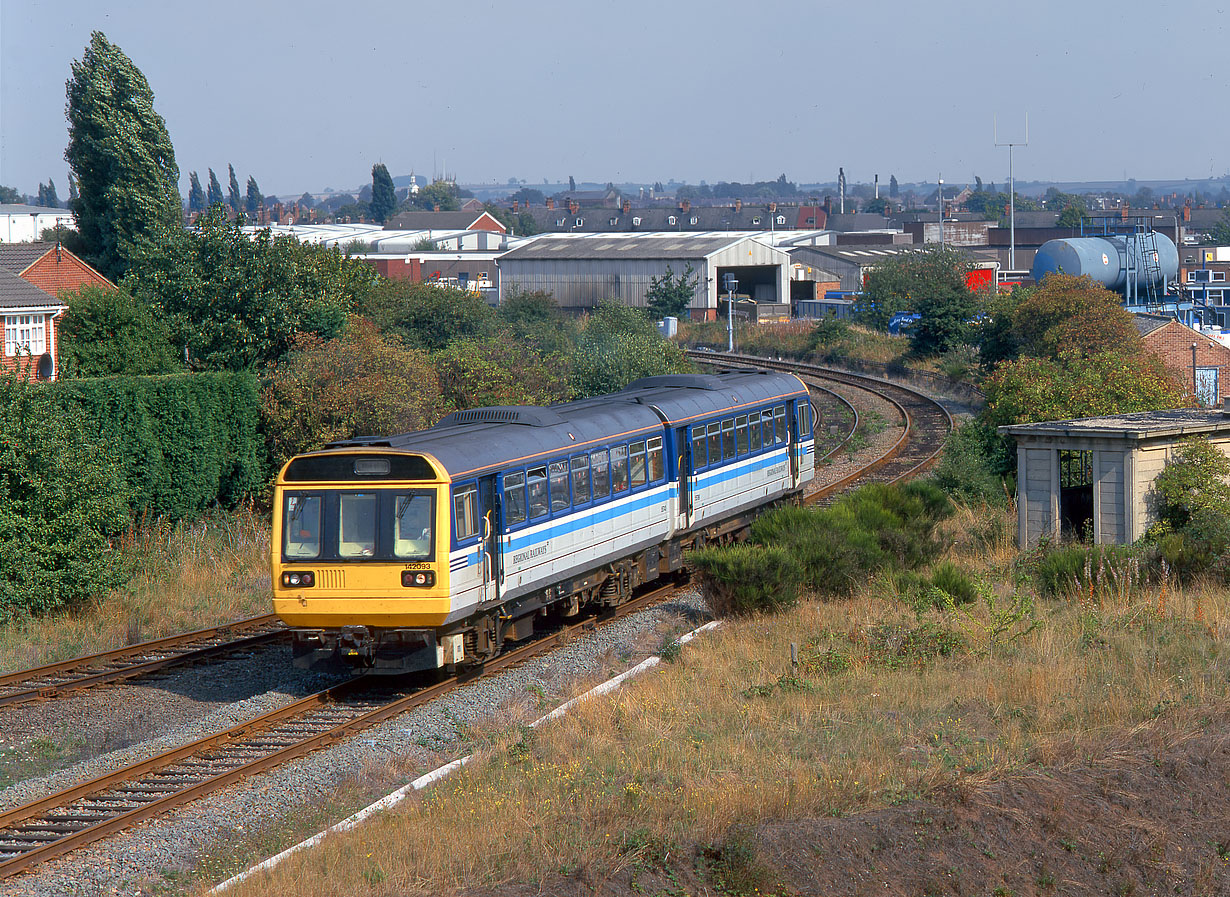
column 302, row 516
column 766, row 421
column 600, row 463
column 741, row 434
column 514, row 499
column 753, row 430
column 580, row 479
column 539, row 502
column 619, row 469
column 779, row 421
column 698, row 448
column 728, row 438
column 715, row 442
column 657, row 463
column 636, row 455
column 465, row 512
column 412, row 527
column 356, row 530
column 804, row 410
column 559, row 485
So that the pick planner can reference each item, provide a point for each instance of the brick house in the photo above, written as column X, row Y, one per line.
column 32, row 277
column 1207, row 373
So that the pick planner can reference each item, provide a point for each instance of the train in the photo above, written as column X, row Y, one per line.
column 431, row 549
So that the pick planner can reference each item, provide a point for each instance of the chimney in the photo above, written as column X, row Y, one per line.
column 550, row 202
column 1225, row 405
column 738, row 205
column 627, row 206
column 514, row 205
column 573, row 207
column 877, row 186
column 828, row 206
column 436, row 207
column 685, row 206
column 772, row 207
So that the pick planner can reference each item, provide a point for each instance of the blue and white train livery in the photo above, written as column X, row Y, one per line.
column 432, row 548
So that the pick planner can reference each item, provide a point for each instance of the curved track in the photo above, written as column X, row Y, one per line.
column 55, row 679
column 74, row 817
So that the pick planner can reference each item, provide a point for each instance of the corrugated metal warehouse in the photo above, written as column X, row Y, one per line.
column 1098, row 471
column 582, row 270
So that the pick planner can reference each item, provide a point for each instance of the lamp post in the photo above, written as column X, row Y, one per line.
column 1175, row 219
column 730, row 283
column 940, row 194
column 1011, row 189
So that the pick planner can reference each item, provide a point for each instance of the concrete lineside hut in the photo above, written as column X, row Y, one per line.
column 1098, row 472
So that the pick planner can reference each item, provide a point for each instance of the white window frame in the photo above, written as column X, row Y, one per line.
column 25, row 334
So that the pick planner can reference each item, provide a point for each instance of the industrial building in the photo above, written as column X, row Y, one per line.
column 583, row 270
column 1095, row 474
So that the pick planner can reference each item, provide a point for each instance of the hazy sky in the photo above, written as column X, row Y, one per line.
column 306, row 95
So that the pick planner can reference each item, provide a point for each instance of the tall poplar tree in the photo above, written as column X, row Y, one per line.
column 233, row 199
column 196, row 196
column 121, row 154
column 384, row 197
column 254, row 196
column 214, row 196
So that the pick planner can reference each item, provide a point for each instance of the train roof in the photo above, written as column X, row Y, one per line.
column 477, row 439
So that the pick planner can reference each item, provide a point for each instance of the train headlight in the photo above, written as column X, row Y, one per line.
column 298, row 579
column 417, row 579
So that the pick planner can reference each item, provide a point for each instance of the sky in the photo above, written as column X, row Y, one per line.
column 308, row 95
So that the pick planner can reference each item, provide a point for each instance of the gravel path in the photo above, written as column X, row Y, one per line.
column 228, row 830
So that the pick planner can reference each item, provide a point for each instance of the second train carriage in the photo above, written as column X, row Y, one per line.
column 431, row 548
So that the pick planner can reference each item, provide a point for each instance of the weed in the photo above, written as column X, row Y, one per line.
column 672, row 651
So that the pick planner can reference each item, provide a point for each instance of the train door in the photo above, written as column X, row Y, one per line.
column 492, row 559
column 800, row 426
column 683, row 452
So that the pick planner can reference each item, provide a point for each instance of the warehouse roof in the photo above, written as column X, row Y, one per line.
column 639, row 246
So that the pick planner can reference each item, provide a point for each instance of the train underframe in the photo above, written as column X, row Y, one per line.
column 480, row 637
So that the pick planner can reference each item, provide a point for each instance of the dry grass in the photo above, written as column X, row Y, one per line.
column 791, row 338
column 186, row 576
column 730, row 734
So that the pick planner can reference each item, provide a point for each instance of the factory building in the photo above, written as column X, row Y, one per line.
column 583, row 270
column 1096, row 474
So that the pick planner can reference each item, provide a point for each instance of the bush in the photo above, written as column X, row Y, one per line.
column 62, row 497
column 974, row 463
column 879, row 526
column 945, row 581
column 106, row 332
column 186, row 442
column 618, row 345
column 743, row 579
column 1192, row 498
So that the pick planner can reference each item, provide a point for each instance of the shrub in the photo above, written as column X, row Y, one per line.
column 876, row 527
column 107, row 331
column 62, row 497
column 946, row 583
column 743, row 579
column 1192, row 498
column 186, row 442
column 973, row 464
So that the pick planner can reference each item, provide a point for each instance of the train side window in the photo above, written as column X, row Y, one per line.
column 804, row 411
column 657, row 467
column 514, row 498
column 580, row 479
column 715, row 442
column 619, row 469
column 741, row 434
column 636, row 459
column 728, row 439
column 465, row 512
column 559, row 485
column 356, row 525
column 779, row 420
column 766, row 421
column 539, row 502
column 600, row 462
column 698, row 448
column 302, row 527
column 754, row 430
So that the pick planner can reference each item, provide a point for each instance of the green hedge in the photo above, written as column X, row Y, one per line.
column 186, row 441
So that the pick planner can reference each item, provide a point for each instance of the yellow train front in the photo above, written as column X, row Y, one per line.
column 360, row 560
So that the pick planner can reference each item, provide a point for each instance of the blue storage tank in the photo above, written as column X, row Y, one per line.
column 1108, row 258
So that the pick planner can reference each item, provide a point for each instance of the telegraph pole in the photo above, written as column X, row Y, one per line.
column 1011, row 189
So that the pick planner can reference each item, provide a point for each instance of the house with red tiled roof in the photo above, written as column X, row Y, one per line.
column 32, row 278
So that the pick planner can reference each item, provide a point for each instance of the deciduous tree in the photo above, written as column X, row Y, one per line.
column 233, row 199
column 1073, row 314
column 669, row 295
column 254, row 197
column 427, row 316
column 928, row 281
column 108, row 331
column 121, row 154
column 214, row 196
column 618, row 345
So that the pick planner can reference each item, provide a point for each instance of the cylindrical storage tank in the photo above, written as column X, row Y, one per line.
column 1106, row 259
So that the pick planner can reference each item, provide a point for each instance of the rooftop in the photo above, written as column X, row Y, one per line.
column 1137, row 425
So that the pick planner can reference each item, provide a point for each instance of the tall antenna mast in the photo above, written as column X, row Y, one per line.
column 1011, row 188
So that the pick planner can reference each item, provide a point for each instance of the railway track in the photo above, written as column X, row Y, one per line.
column 56, row 679
column 71, row 818
column 927, row 422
